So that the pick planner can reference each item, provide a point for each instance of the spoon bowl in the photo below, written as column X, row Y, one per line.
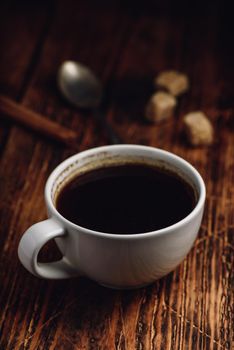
column 79, row 85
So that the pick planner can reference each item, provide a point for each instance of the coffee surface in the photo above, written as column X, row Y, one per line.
column 126, row 199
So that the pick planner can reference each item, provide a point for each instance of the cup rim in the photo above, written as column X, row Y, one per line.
column 141, row 235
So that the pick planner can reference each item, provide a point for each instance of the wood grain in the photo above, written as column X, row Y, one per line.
column 126, row 44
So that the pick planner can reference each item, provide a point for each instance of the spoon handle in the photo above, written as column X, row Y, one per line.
column 112, row 135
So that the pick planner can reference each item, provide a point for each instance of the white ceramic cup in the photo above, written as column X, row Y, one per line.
column 113, row 260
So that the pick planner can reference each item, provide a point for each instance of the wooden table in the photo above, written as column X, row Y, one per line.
column 126, row 44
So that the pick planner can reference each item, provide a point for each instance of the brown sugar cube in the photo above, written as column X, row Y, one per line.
column 198, row 128
column 175, row 82
column 160, row 107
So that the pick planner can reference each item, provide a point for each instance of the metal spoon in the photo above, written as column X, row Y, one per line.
column 80, row 86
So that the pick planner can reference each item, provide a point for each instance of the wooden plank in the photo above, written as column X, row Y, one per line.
column 32, row 160
column 21, row 36
column 23, row 29
column 196, row 297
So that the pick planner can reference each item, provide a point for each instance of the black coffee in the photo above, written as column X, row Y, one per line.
column 126, row 199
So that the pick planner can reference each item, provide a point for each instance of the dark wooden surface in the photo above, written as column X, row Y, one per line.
column 126, row 43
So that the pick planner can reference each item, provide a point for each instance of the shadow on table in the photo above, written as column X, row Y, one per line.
column 79, row 310
column 91, row 309
column 129, row 96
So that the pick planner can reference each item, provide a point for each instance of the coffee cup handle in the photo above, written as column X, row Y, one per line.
column 32, row 242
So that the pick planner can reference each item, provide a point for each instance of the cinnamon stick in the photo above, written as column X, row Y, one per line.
column 36, row 121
